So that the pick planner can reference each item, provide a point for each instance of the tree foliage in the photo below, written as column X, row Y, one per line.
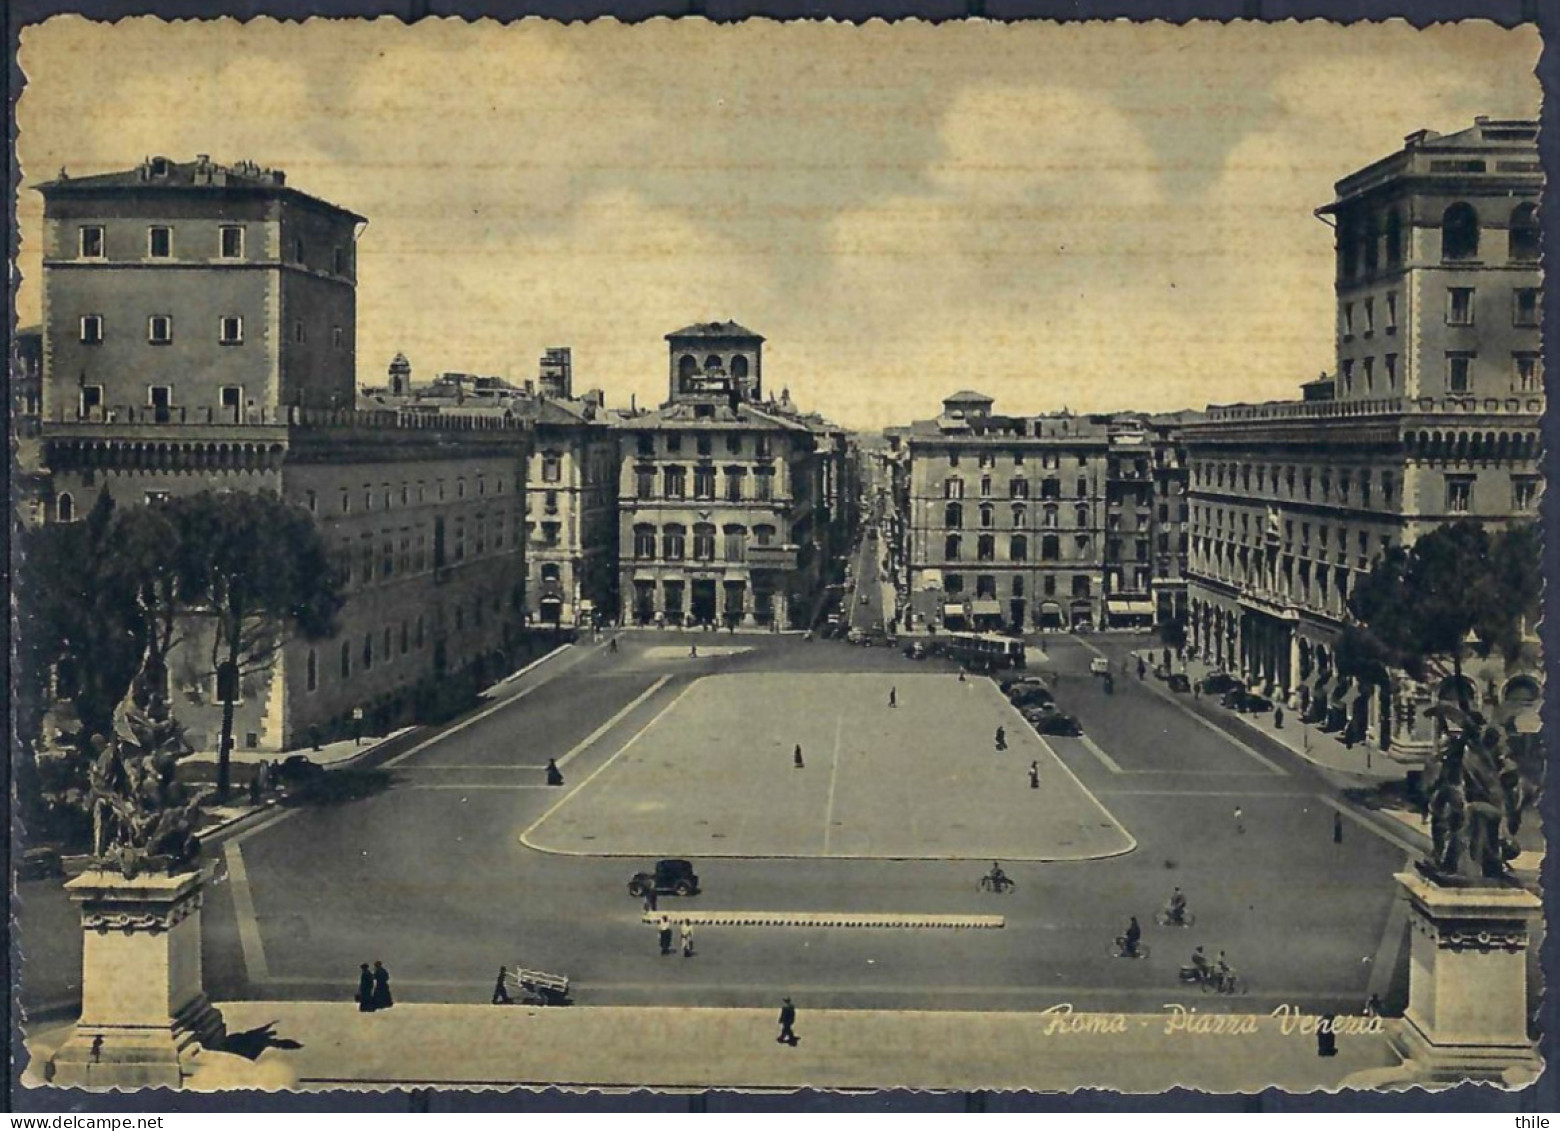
column 1457, row 587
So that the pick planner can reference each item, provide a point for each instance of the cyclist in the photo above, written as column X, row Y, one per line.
column 1175, row 911
column 1201, row 965
column 1129, row 941
column 997, row 877
column 1223, row 974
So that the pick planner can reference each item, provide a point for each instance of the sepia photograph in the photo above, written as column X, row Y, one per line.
column 968, row 557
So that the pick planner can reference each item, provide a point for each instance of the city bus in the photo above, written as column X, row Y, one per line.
column 981, row 651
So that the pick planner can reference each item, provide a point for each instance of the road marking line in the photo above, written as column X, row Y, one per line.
column 825, row 919
column 591, row 738
column 834, row 774
column 468, row 766
column 1132, row 841
column 1197, row 793
column 250, row 943
column 476, row 788
column 1105, row 759
column 1368, row 826
column 644, row 730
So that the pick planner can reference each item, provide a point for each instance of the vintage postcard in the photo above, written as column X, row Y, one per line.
column 971, row 557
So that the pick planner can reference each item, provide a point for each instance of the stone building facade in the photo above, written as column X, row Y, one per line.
column 730, row 507
column 198, row 335
column 1432, row 416
column 1043, row 522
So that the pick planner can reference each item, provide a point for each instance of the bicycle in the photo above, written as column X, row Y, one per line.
column 1141, row 950
column 1165, row 919
column 1001, row 885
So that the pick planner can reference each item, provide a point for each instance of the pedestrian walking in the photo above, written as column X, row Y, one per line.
column 501, row 988
column 1326, row 1036
column 254, row 788
column 961, row 675
column 612, row 645
column 263, row 773
column 1337, row 827
column 650, row 899
column 693, row 652
column 686, row 937
column 893, row 697
column 1034, row 775
column 1196, row 690
column 1240, row 820
column 365, row 991
column 554, row 774
column 1278, row 717
column 787, row 1024
column 357, row 726
column 666, row 935
column 382, row 998
column 315, row 737
column 1001, row 739
column 797, row 757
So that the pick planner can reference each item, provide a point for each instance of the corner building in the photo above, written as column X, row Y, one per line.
column 729, row 505
column 1431, row 416
column 199, row 335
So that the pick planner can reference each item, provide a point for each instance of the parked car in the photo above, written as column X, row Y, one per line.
column 1217, row 683
column 916, row 650
column 1099, row 666
column 1056, row 723
column 671, row 877
column 1029, row 695
column 1178, row 682
column 1250, row 703
column 41, row 863
column 1162, row 672
column 299, row 769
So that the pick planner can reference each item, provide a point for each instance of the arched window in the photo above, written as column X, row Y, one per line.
column 987, row 515
column 1082, row 517
column 739, row 366
column 1020, row 516
column 1526, row 241
column 1048, row 518
column 1018, row 548
column 1460, row 232
column 1394, row 238
column 986, row 547
column 65, row 507
column 712, row 362
column 951, row 547
column 953, row 516
column 687, row 366
column 551, row 571
column 764, row 534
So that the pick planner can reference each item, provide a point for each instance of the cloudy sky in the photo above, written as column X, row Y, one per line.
column 1096, row 216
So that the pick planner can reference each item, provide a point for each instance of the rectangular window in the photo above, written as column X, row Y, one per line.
column 230, row 330
column 1390, row 323
column 1370, row 374
column 91, row 329
column 1526, row 373
column 338, row 338
column 674, row 442
column 231, row 400
column 159, row 398
column 1458, row 367
column 703, row 443
column 1524, row 309
column 1370, row 316
column 159, row 242
column 734, row 443
column 91, row 400
column 1459, row 494
column 1524, row 492
column 1389, row 363
column 1348, row 375
column 1459, row 306
column 644, row 483
column 1348, row 320
column 159, row 329
column 91, row 245
column 231, row 242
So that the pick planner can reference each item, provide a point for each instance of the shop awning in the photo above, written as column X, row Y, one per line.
column 1129, row 607
column 953, row 610
column 987, row 609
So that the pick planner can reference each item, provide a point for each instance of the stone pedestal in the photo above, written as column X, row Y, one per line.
column 1467, row 1015
column 144, row 1010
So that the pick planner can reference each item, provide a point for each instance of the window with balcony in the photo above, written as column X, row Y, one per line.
column 1524, row 493
column 1526, row 373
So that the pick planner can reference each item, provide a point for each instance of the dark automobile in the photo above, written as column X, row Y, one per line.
column 1178, row 682
column 1250, row 703
column 1056, row 723
column 1217, row 683
column 41, row 863
column 674, row 877
column 298, row 769
column 1029, row 695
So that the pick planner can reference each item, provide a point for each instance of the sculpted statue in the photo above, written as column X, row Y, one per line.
column 1477, row 796
column 142, row 817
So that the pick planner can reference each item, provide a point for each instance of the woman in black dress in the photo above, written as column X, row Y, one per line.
column 382, row 998
column 365, row 991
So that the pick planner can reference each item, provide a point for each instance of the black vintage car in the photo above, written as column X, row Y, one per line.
column 671, row 877
column 1178, row 682
column 1048, row 720
column 1217, row 683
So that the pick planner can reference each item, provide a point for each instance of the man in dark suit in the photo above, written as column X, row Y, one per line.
column 787, row 1020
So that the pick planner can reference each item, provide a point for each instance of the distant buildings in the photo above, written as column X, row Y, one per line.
column 199, row 334
column 1432, row 416
column 1041, row 522
column 730, row 507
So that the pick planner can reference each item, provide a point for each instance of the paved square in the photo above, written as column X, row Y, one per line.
column 714, row 776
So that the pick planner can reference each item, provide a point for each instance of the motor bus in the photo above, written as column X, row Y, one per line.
column 981, row 651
